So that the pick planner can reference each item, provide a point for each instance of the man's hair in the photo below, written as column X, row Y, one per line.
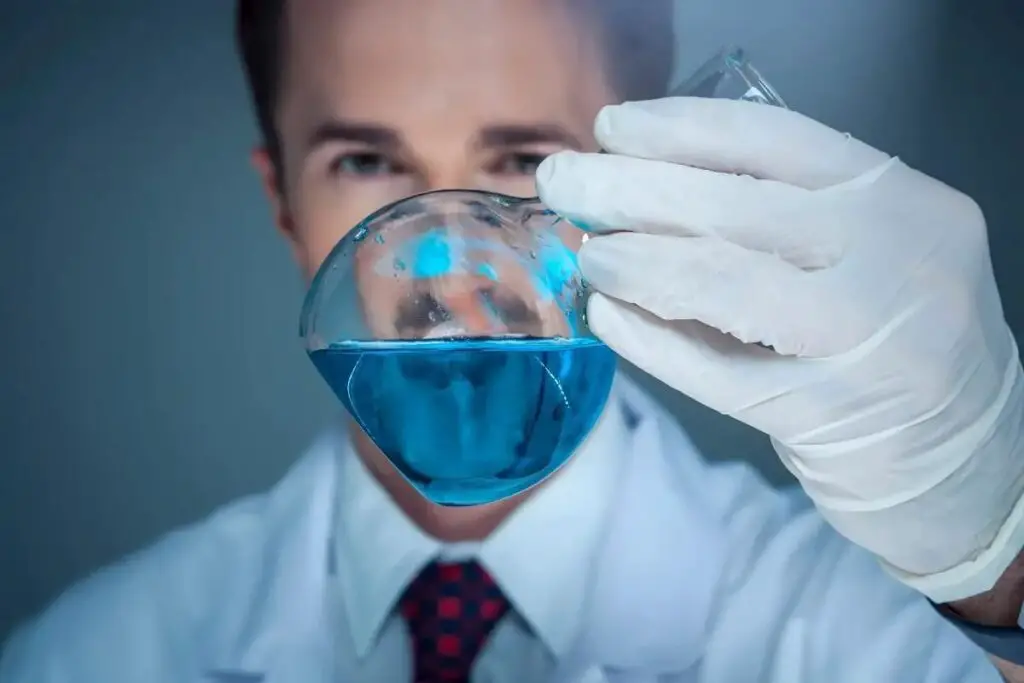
column 637, row 37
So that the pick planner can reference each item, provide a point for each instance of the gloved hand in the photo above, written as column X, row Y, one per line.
column 892, row 387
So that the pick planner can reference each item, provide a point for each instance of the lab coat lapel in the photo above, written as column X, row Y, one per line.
column 655, row 582
column 287, row 636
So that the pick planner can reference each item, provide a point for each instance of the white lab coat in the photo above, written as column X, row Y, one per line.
column 707, row 576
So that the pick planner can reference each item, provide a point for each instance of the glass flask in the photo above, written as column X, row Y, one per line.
column 452, row 327
column 729, row 75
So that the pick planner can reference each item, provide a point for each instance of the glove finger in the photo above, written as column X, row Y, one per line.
column 736, row 379
column 737, row 137
column 609, row 193
column 754, row 297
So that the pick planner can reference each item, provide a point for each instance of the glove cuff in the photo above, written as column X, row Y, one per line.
column 974, row 576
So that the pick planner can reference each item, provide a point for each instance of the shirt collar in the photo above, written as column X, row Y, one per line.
column 541, row 556
column 378, row 550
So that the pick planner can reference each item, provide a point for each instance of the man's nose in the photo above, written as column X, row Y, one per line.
column 468, row 308
column 450, row 176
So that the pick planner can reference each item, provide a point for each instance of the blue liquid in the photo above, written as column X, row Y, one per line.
column 472, row 421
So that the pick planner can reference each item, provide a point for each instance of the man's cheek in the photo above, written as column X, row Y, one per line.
column 319, row 237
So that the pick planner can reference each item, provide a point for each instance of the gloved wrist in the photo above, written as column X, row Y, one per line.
column 978, row 573
column 957, row 537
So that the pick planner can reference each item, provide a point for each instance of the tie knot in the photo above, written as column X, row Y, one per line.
column 451, row 609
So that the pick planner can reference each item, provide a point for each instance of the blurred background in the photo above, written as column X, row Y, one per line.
column 150, row 367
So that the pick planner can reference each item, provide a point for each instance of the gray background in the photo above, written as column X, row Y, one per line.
column 150, row 364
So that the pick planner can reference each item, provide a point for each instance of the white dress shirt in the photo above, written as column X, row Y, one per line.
column 540, row 557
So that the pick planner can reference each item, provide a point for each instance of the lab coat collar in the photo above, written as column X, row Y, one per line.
column 287, row 625
column 542, row 556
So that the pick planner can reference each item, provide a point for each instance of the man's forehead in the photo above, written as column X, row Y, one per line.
column 470, row 33
column 524, row 58
column 319, row 11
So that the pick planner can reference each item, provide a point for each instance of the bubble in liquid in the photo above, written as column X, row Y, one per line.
column 399, row 264
column 487, row 271
column 379, row 238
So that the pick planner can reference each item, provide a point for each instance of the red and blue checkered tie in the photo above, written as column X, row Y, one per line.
column 451, row 609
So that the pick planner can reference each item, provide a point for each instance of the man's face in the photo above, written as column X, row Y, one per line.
column 381, row 100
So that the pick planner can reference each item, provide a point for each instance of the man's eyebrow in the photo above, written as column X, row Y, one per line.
column 347, row 131
column 531, row 134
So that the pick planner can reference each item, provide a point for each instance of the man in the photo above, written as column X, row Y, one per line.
column 638, row 562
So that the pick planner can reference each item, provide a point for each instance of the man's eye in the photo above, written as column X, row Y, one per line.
column 518, row 163
column 363, row 164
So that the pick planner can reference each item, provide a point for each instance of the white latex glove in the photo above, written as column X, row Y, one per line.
column 894, row 392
